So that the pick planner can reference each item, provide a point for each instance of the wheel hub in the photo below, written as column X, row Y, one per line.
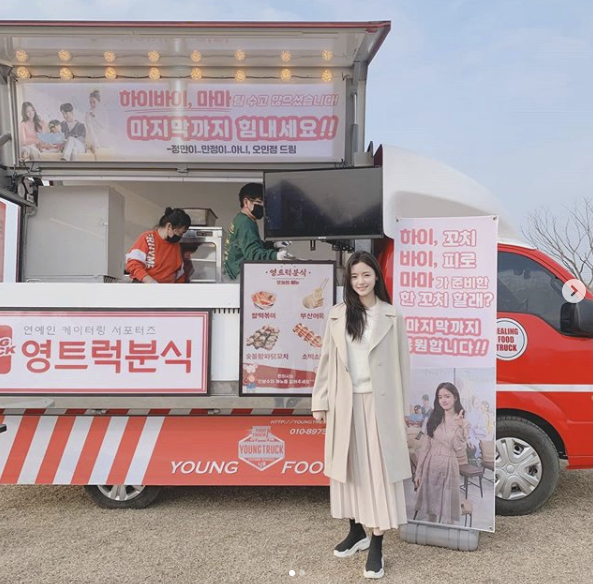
column 518, row 469
column 121, row 492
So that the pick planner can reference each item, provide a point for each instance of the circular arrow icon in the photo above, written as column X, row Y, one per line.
column 574, row 291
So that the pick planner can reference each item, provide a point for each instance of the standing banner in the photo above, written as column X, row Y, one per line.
column 182, row 121
column 445, row 285
column 284, row 309
column 9, row 240
column 111, row 351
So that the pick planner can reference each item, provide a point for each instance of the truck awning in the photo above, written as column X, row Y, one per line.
column 212, row 44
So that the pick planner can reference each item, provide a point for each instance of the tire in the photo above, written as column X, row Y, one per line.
column 122, row 496
column 527, row 466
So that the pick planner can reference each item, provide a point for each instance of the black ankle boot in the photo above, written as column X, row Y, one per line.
column 355, row 540
column 374, row 565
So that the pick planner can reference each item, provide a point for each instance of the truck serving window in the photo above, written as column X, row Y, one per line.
column 526, row 286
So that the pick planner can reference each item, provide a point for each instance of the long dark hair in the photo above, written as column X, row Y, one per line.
column 438, row 413
column 356, row 316
column 176, row 217
column 36, row 118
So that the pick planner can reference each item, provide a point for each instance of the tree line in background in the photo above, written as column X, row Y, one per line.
column 568, row 238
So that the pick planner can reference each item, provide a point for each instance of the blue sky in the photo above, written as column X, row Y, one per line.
column 500, row 89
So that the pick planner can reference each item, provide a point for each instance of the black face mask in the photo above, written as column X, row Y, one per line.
column 258, row 211
column 173, row 238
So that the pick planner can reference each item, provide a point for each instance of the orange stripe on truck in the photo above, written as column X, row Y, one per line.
column 125, row 452
column 55, row 450
column 89, row 453
column 19, row 450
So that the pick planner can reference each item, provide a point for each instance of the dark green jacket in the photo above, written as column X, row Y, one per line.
column 244, row 243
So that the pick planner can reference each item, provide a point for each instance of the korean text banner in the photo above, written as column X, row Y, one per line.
column 445, row 286
column 104, row 352
column 284, row 309
column 181, row 121
column 445, row 283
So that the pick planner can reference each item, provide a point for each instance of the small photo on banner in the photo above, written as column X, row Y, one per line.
column 450, row 426
column 445, row 283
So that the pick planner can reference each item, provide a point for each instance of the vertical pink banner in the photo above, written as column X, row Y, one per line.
column 445, row 280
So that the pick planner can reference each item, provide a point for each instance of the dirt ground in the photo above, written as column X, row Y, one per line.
column 53, row 534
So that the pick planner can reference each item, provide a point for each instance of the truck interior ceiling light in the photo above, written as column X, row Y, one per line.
column 240, row 75
column 65, row 55
column 327, row 55
column 23, row 73
column 240, row 55
column 327, row 75
column 154, row 73
column 285, row 74
column 21, row 56
column 66, row 74
column 196, row 73
column 109, row 56
column 153, row 57
column 196, row 56
column 285, row 56
column 110, row 73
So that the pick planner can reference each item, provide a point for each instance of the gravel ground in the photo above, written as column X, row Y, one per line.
column 55, row 534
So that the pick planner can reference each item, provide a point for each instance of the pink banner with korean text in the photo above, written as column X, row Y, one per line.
column 181, row 121
column 445, row 285
column 284, row 308
column 104, row 352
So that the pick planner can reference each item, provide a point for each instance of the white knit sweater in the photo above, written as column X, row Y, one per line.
column 358, row 355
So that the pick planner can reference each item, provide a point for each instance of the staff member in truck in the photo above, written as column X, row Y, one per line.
column 156, row 257
column 243, row 241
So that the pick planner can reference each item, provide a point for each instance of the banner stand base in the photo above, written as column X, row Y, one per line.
column 454, row 538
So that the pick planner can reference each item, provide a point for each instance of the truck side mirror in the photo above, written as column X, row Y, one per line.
column 577, row 319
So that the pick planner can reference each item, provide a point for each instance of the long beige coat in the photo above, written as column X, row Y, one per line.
column 390, row 373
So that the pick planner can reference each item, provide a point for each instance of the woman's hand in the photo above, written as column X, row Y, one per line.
column 459, row 419
column 417, row 482
column 320, row 416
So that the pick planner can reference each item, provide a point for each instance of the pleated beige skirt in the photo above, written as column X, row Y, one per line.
column 367, row 495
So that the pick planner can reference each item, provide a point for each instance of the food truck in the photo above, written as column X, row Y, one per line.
column 125, row 388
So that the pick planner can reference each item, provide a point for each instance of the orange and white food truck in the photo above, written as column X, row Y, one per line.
column 125, row 389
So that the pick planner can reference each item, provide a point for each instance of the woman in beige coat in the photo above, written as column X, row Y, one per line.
column 359, row 393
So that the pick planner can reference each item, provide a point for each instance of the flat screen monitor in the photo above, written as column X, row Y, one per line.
column 340, row 203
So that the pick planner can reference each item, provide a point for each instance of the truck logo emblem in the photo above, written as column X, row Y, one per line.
column 6, row 349
column 261, row 449
column 511, row 339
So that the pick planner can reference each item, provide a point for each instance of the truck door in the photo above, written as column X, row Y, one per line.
column 531, row 293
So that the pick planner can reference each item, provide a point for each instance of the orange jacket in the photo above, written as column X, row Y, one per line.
column 153, row 256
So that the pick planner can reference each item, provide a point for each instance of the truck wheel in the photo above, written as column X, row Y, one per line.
column 527, row 466
column 122, row 496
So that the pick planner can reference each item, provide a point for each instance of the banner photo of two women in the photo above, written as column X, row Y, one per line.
column 445, row 286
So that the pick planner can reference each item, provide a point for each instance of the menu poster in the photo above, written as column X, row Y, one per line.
column 284, row 309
